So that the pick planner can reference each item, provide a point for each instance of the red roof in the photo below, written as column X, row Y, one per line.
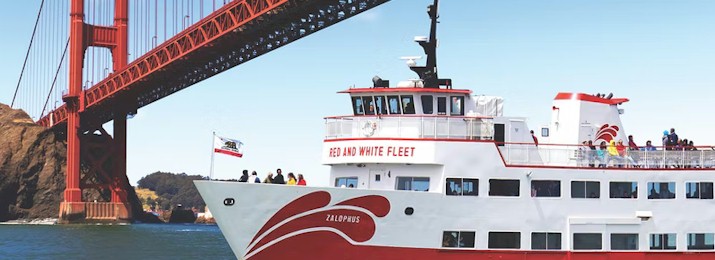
column 589, row 98
column 400, row 90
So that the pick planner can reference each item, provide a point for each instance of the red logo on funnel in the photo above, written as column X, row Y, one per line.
column 353, row 220
column 607, row 133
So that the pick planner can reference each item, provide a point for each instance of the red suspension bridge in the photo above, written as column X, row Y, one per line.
column 113, row 57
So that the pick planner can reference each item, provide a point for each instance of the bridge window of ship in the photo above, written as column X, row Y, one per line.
column 624, row 241
column 661, row 190
column 504, row 240
column 346, row 182
column 507, row 188
column 663, row 241
column 587, row 241
column 462, row 187
column 545, row 241
column 441, row 105
column 369, row 105
column 381, row 105
column 624, row 190
column 544, row 188
column 699, row 190
column 427, row 106
column 585, row 189
column 413, row 183
column 457, row 106
column 408, row 104
column 700, row 241
column 458, row 239
column 393, row 103
column 358, row 108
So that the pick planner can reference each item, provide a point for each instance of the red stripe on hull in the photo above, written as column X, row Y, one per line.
column 328, row 245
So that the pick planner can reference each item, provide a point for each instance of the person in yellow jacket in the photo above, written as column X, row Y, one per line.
column 613, row 152
column 291, row 179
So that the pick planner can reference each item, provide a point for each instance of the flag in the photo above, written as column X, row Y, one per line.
column 228, row 146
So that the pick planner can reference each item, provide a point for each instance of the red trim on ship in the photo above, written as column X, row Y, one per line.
column 328, row 245
column 406, row 139
column 400, row 90
column 228, row 152
column 589, row 98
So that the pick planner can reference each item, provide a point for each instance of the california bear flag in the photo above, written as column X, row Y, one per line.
column 228, row 146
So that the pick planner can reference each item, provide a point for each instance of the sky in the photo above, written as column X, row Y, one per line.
column 658, row 53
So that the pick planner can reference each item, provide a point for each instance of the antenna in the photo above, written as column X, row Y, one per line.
column 411, row 60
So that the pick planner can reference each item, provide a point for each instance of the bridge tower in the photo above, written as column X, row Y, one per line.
column 94, row 159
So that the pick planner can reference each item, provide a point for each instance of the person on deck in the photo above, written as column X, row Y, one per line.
column 536, row 140
column 269, row 178
column 291, row 179
column 244, row 176
column 279, row 177
column 301, row 180
column 612, row 152
column 254, row 175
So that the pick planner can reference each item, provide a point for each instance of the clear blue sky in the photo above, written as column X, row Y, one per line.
column 658, row 53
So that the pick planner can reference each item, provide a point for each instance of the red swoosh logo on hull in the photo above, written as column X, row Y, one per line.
column 355, row 224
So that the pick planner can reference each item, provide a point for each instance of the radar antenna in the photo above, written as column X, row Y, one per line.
column 428, row 73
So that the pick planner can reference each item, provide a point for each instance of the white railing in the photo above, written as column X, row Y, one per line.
column 528, row 154
column 433, row 127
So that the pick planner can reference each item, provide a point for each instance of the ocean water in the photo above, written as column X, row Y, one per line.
column 137, row 241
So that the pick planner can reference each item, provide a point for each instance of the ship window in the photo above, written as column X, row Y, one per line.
column 462, row 187
column 457, row 106
column 461, row 239
column 624, row 241
column 441, row 105
column 624, row 190
column 393, row 103
column 358, row 109
column 699, row 190
column 661, row 190
column 369, row 105
column 540, row 188
column 408, row 105
column 701, row 241
column 587, row 241
column 662, row 241
column 413, row 183
column 427, row 107
column 585, row 189
column 346, row 182
column 381, row 103
column 508, row 188
column 499, row 240
column 545, row 241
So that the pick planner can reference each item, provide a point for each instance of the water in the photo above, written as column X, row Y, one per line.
column 138, row 241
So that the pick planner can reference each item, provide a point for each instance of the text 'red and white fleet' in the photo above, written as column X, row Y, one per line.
column 426, row 171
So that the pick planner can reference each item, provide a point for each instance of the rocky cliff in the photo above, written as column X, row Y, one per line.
column 32, row 166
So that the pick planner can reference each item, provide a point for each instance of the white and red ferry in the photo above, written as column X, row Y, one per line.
column 426, row 171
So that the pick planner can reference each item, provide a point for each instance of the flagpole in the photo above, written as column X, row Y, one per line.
column 213, row 143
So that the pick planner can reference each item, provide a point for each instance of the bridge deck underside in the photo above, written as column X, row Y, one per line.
column 198, row 56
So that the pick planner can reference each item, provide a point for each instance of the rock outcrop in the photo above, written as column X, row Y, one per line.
column 32, row 167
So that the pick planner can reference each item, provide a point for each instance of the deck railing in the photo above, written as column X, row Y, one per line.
column 433, row 127
column 528, row 154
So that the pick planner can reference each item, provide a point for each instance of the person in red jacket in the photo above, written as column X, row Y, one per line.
column 536, row 141
column 301, row 181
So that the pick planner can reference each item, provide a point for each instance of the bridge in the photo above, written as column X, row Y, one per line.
column 116, row 58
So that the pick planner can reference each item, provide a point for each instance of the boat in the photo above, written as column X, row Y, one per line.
column 422, row 170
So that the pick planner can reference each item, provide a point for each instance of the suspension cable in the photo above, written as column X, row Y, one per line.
column 55, row 78
column 37, row 21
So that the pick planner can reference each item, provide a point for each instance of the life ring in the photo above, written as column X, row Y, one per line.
column 368, row 129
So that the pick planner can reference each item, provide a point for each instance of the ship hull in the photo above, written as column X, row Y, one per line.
column 262, row 221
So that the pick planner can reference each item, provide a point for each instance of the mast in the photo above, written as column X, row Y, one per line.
column 428, row 73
